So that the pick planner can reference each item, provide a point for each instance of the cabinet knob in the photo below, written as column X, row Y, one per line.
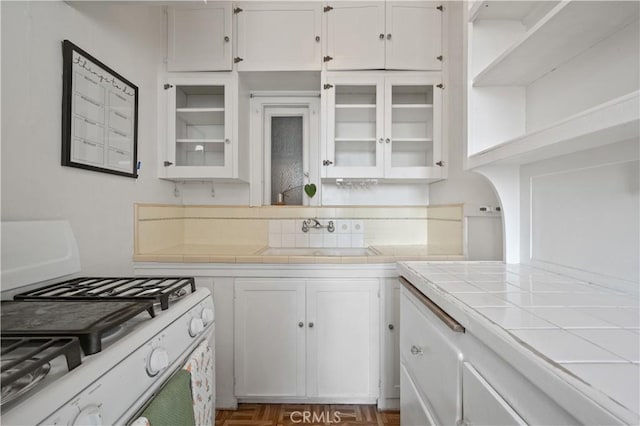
column 310, row 325
column 388, row 140
column 389, row 36
column 168, row 163
column 381, row 36
column 381, row 140
column 300, row 324
column 391, row 326
column 318, row 39
column 416, row 350
column 327, row 162
column 227, row 141
column 226, row 38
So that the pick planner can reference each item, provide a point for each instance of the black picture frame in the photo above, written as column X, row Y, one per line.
column 97, row 127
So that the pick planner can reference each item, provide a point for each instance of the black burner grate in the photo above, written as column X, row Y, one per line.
column 22, row 356
column 87, row 288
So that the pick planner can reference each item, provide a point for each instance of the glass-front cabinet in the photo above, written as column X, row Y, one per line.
column 383, row 125
column 200, row 128
column 355, row 127
column 413, row 141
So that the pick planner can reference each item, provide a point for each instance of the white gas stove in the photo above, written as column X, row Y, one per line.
column 127, row 356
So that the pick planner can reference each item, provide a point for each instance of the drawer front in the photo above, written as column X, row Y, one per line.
column 482, row 404
column 414, row 410
column 431, row 357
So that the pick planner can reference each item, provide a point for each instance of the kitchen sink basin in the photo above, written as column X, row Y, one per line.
column 293, row 251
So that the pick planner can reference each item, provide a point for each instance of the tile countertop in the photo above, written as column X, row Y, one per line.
column 199, row 253
column 584, row 334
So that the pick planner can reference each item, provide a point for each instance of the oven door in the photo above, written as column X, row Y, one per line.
column 187, row 396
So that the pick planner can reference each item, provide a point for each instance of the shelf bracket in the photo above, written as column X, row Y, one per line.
column 327, row 86
column 327, row 9
column 237, row 10
column 167, row 86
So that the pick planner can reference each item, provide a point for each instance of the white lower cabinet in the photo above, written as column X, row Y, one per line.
column 270, row 335
column 390, row 340
column 315, row 339
column 482, row 404
column 430, row 354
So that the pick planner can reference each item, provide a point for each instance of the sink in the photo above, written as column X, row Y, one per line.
column 333, row 251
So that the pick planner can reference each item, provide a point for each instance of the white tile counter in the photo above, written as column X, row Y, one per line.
column 585, row 337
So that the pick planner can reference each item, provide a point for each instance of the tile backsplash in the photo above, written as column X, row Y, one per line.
column 288, row 233
column 163, row 227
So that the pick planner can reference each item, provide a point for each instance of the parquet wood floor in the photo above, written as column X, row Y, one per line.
column 292, row 414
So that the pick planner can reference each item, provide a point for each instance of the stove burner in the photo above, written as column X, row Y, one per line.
column 160, row 289
column 26, row 382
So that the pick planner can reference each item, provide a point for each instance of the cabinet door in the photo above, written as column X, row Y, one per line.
column 355, row 35
column 343, row 341
column 391, row 339
column 355, row 120
column 269, row 338
column 413, row 127
column 279, row 36
column 199, row 38
column 482, row 404
column 414, row 35
column 199, row 128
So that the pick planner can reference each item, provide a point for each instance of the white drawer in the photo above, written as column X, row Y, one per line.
column 428, row 350
column 414, row 410
column 482, row 404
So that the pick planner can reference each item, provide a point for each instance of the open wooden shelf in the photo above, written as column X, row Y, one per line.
column 613, row 121
column 567, row 30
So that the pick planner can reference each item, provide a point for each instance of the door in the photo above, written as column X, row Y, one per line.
column 482, row 404
column 391, row 336
column 269, row 337
column 413, row 129
column 355, row 35
column 414, row 35
column 199, row 128
column 279, row 36
column 355, row 120
column 342, row 338
column 199, row 38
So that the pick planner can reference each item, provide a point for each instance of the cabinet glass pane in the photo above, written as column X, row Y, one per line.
column 355, row 126
column 286, row 160
column 200, row 133
column 412, row 126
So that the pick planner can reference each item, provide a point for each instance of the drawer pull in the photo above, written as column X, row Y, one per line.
column 437, row 310
column 416, row 350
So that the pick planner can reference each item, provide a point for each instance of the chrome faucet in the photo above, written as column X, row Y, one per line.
column 314, row 223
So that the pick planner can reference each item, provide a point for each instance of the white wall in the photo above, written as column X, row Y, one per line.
column 128, row 38
column 581, row 212
column 465, row 187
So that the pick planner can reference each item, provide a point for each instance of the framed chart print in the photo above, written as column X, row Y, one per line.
column 99, row 115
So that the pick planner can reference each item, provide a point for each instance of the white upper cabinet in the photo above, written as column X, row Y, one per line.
column 279, row 36
column 383, row 125
column 355, row 35
column 199, row 38
column 200, row 128
column 414, row 36
column 400, row 35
